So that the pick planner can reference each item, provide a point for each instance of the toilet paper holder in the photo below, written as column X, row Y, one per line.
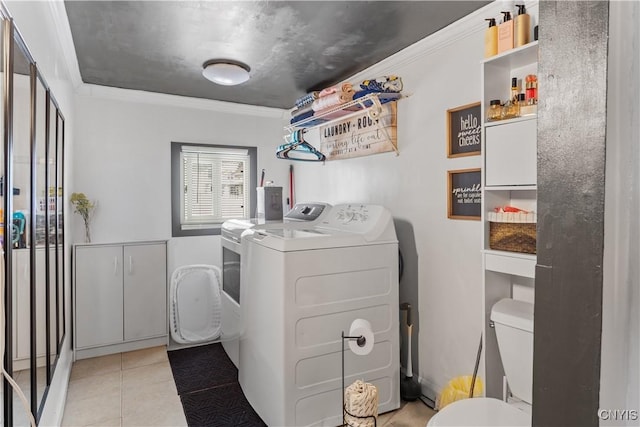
column 361, row 341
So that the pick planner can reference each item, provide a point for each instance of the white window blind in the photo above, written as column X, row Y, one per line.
column 215, row 186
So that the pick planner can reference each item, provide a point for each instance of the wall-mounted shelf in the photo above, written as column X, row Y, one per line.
column 510, row 121
column 511, row 187
column 516, row 57
column 523, row 265
column 372, row 103
column 361, row 127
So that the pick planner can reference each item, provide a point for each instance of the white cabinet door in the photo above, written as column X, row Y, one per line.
column 511, row 154
column 145, row 291
column 98, row 295
column 21, row 304
column 22, row 307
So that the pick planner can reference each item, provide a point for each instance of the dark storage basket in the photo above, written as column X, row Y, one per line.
column 513, row 237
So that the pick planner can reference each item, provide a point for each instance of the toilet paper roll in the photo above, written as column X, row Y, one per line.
column 361, row 327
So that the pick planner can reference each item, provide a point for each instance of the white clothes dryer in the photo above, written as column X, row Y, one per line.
column 301, row 288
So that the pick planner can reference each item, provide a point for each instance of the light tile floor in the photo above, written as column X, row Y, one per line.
column 410, row 414
column 23, row 379
column 137, row 389
column 125, row 389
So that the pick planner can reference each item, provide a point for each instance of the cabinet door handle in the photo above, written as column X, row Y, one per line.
column 115, row 265
column 130, row 264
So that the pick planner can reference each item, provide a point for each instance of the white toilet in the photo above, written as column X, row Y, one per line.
column 514, row 330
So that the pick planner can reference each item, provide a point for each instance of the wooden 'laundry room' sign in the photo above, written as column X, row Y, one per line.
column 360, row 134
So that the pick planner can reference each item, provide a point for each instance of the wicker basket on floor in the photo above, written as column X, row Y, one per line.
column 513, row 237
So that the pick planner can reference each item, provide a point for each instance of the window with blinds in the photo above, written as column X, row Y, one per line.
column 215, row 185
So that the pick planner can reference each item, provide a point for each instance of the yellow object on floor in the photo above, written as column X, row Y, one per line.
column 458, row 389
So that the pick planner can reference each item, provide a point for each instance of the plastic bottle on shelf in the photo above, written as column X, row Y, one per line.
column 522, row 27
column 505, row 33
column 491, row 39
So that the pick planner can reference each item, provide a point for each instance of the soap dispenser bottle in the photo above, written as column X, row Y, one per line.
column 491, row 39
column 505, row 33
column 523, row 27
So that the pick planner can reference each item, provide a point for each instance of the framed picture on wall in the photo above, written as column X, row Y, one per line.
column 464, row 130
column 464, row 194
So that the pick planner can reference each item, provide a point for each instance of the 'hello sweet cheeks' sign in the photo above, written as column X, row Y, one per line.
column 360, row 135
column 464, row 130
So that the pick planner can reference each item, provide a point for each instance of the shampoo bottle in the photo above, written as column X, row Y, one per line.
column 505, row 33
column 523, row 27
column 491, row 39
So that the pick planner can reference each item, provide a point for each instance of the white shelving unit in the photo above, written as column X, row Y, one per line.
column 509, row 157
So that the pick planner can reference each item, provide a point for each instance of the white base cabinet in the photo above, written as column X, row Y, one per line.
column 120, row 293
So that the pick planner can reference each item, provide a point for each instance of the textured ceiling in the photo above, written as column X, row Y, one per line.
column 292, row 47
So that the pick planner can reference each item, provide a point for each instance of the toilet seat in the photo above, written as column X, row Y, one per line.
column 480, row 411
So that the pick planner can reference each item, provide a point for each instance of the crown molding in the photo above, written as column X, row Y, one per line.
column 65, row 40
column 454, row 32
column 472, row 24
column 139, row 96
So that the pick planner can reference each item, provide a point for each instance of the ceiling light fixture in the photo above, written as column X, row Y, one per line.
column 226, row 72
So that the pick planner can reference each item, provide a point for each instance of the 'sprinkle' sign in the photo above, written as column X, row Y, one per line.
column 360, row 135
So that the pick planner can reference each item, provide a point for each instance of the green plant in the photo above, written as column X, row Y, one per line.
column 84, row 207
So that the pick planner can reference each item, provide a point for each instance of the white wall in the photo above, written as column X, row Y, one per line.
column 439, row 73
column 123, row 161
column 37, row 22
column 620, row 378
column 123, row 156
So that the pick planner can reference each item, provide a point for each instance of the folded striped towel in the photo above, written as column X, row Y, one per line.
column 306, row 99
column 344, row 87
column 301, row 110
column 383, row 84
column 334, row 99
column 301, row 116
column 383, row 97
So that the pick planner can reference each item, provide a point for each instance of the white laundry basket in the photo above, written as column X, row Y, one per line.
column 196, row 307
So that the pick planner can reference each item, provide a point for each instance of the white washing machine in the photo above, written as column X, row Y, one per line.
column 301, row 288
column 301, row 215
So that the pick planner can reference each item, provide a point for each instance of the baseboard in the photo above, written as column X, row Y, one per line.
column 85, row 353
column 53, row 410
column 429, row 389
column 429, row 394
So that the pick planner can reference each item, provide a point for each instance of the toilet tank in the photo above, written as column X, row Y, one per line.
column 513, row 321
